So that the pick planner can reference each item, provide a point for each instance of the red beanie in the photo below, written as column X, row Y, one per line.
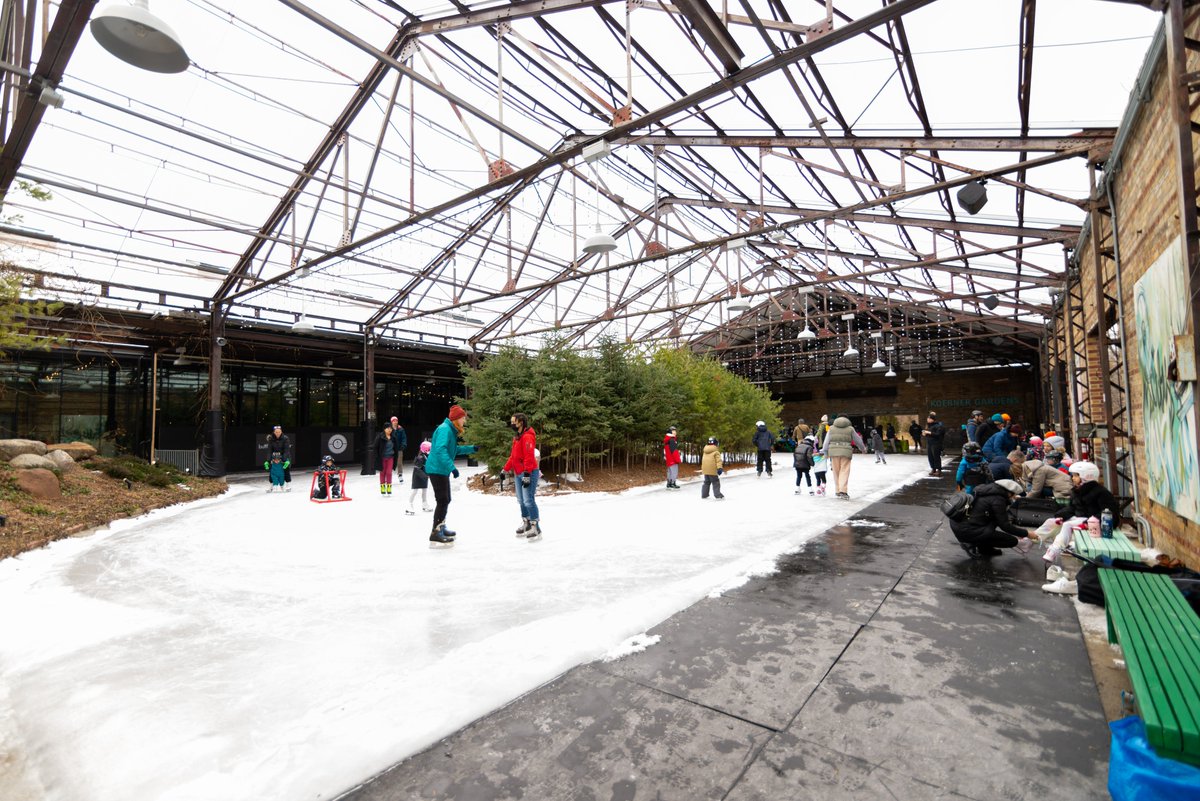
column 456, row 412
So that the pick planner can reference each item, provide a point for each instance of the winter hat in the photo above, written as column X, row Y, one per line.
column 1005, row 417
column 425, row 446
column 1087, row 471
column 810, row 438
column 1049, row 434
column 977, row 413
column 997, row 418
column 824, row 418
column 1035, row 441
column 671, row 430
column 1016, row 430
column 456, row 412
column 277, row 428
column 1056, row 442
column 1010, row 485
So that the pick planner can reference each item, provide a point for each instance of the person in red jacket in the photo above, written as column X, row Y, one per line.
column 523, row 466
column 673, row 457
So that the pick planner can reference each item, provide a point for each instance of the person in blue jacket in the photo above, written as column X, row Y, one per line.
column 999, row 444
column 443, row 450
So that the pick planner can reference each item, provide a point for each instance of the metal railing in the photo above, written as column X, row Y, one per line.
column 188, row 461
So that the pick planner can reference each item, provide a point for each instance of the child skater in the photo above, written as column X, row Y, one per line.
column 420, row 481
column 328, row 480
column 820, row 466
column 802, row 460
column 710, row 466
column 276, row 472
column 877, row 444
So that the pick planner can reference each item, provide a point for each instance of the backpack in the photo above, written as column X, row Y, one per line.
column 957, row 506
column 976, row 474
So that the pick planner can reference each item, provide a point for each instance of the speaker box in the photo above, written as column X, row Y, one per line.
column 972, row 197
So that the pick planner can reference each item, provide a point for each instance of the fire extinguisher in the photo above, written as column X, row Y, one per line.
column 1084, row 450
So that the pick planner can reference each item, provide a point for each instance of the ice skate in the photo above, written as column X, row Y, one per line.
column 534, row 532
column 438, row 538
column 409, row 512
column 523, row 529
column 426, row 509
column 287, row 488
column 448, row 534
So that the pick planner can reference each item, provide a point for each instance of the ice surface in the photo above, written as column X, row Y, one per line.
column 261, row 646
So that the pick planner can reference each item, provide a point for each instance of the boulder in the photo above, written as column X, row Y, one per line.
column 78, row 451
column 30, row 461
column 10, row 448
column 41, row 484
column 62, row 460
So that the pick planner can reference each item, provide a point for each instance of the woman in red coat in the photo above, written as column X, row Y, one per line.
column 523, row 466
column 673, row 457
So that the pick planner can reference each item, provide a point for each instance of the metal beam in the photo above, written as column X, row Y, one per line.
column 713, row 31
column 983, row 144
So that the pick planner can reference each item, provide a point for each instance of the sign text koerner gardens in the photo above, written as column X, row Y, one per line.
column 978, row 403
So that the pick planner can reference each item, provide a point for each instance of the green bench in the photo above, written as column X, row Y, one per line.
column 1117, row 546
column 1160, row 638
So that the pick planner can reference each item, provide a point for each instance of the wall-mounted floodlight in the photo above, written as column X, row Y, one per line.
column 137, row 37
column 594, row 151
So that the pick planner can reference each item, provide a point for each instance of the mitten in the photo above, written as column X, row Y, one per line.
column 454, row 472
column 287, row 464
column 524, row 479
column 720, row 470
column 266, row 465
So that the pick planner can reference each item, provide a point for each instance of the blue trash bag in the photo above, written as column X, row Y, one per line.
column 1136, row 773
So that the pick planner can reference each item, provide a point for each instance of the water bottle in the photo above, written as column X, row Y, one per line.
column 1093, row 527
column 1106, row 524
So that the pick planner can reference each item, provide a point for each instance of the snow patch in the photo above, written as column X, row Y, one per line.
column 636, row 643
column 860, row 523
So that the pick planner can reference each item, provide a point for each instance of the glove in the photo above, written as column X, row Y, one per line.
column 287, row 464
column 720, row 470
column 524, row 479
column 454, row 472
column 266, row 465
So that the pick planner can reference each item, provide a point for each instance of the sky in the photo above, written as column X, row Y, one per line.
column 259, row 646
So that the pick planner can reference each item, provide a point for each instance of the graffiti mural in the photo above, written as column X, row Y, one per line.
column 1168, row 406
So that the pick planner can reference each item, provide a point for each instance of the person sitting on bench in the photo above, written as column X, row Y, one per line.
column 987, row 527
column 1089, row 498
column 1045, row 481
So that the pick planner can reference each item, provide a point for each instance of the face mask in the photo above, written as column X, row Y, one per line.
column 516, row 428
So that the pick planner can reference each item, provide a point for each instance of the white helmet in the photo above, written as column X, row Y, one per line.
column 760, row 423
column 1087, row 471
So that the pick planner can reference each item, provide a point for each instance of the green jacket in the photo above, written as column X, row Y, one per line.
column 842, row 439
column 444, row 449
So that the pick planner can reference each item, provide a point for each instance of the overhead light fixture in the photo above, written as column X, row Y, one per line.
column 599, row 242
column 879, row 363
column 851, row 351
column 738, row 305
column 327, row 373
column 137, row 37
column 737, row 244
column 910, row 379
column 49, row 96
column 972, row 197
column 594, row 151
column 890, row 373
column 303, row 325
column 991, row 301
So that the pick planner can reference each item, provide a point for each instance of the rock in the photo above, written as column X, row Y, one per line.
column 62, row 460
column 11, row 448
column 41, row 484
column 30, row 461
column 571, row 478
column 78, row 451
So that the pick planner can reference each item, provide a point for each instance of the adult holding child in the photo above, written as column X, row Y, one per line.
column 839, row 445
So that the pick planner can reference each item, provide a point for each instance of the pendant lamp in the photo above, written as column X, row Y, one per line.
column 137, row 37
column 851, row 351
column 807, row 333
column 876, row 335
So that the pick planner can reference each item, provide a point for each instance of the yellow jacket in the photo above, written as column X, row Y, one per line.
column 711, row 461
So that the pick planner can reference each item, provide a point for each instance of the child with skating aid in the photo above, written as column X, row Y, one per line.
column 275, row 469
column 710, row 466
column 419, row 481
column 329, row 480
column 820, row 468
column 802, row 460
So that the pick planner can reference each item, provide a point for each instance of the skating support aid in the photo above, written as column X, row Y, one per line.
column 341, row 475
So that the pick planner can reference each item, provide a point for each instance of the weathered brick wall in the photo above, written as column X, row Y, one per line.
column 1146, row 195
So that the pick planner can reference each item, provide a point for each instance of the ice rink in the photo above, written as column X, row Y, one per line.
column 260, row 646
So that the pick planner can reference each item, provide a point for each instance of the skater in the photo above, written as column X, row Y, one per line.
column 710, row 466
column 973, row 469
column 329, row 480
column 820, row 467
column 401, row 443
column 800, row 431
column 986, row 528
column 840, row 444
column 279, row 443
column 420, row 481
column 275, row 473
column 935, row 433
column 877, row 444
column 914, row 432
column 673, row 456
column 802, row 460
column 522, row 465
column 764, row 440
column 891, row 437
column 385, row 456
column 440, row 467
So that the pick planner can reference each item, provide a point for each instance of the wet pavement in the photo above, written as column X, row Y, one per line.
column 879, row 662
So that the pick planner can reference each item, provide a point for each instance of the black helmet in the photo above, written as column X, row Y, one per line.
column 971, row 448
column 326, row 458
column 713, row 441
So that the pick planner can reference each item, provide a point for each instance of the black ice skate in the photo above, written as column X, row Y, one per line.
column 438, row 538
column 523, row 529
column 535, row 531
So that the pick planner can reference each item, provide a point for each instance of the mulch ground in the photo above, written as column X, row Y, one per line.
column 89, row 499
column 614, row 479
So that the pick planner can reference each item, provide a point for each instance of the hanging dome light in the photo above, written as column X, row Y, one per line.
column 807, row 333
column 598, row 243
column 910, row 379
column 137, row 37
column 878, row 363
column 890, row 373
column 303, row 325
column 850, row 351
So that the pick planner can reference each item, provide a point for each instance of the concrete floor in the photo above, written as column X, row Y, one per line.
column 879, row 662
